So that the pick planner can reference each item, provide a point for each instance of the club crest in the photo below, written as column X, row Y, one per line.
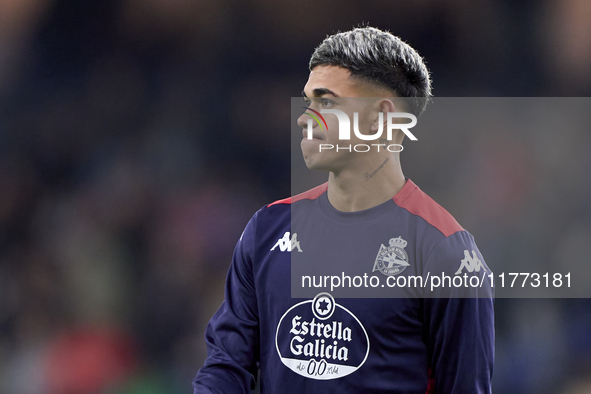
column 392, row 259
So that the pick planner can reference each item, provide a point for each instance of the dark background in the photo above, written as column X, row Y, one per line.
column 137, row 138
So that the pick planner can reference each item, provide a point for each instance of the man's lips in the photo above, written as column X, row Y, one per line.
column 315, row 135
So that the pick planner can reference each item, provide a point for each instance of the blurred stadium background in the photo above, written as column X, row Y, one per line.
column 133, row 151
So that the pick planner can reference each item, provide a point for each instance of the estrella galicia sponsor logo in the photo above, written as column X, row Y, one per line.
column 320, row 339
column 392, row 259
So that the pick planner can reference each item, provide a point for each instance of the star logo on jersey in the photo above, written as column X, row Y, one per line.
column 392, row 259
column 470, row 263
column 323, row 306
column 287, row 244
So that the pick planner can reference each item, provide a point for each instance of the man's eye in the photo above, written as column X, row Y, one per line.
column 307, row 103
column 327, row 103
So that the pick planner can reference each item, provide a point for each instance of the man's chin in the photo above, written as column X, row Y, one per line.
column 311, row 164
column 316, row 165
column 318, row 161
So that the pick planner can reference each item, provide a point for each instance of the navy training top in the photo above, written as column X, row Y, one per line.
column 344, row 339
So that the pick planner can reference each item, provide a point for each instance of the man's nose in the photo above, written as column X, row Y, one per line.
column 303, row 121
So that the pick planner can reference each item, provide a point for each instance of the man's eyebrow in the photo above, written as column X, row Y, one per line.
column 319, row 92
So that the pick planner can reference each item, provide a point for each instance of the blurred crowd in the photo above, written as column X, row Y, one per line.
column 137, row 137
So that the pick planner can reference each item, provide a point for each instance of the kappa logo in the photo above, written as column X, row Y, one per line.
column 471, row 263
column 392, row 260
column 288, row 244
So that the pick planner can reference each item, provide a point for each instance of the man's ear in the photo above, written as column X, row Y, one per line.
column 382, row 106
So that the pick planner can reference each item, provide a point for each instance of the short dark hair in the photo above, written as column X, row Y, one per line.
column 381, row 58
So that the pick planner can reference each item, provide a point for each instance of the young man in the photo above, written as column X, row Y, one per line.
column 414, row 342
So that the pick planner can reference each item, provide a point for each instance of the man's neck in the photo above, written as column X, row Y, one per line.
column 354, row 190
